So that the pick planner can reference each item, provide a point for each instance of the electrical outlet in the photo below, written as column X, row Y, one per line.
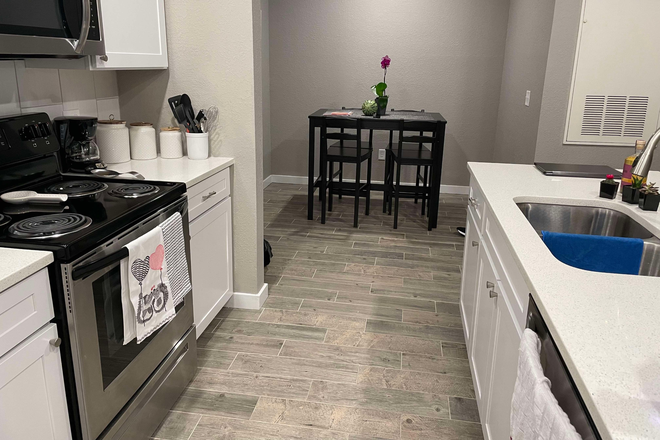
column 381, row 154
column 528, row 94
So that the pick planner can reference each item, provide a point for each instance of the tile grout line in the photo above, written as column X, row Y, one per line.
column 196, row 424
column 238, row 352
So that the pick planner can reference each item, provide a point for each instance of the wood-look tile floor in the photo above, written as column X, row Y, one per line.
column 360, row 337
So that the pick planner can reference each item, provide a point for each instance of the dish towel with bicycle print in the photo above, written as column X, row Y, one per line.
column 146, row 290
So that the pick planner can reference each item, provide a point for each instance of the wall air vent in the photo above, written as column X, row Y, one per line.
column 614, row 115
column 614, row 100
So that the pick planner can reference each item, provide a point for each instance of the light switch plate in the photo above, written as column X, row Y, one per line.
column 528, row 94
column 381, row 154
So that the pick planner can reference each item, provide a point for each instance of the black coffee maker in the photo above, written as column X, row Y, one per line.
column 78, row 150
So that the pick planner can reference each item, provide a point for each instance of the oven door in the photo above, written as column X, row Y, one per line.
column 107, row 373
column 60, row 28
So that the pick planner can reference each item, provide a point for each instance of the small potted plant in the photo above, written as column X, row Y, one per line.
column 649, row 198
column 608, row 187
column 379, row 89
column 631, row 192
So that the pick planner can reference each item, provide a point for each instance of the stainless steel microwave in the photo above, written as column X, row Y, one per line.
column 50, row 28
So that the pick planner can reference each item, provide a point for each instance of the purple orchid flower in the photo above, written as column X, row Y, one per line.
column 385, row 62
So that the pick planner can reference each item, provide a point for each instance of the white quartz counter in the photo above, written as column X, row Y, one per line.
column 607, row 326
column 183, row 169
column 18, row 264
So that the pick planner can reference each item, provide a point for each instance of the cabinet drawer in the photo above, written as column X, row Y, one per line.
column 207, row 193
column 24, row 308
column 507, row 268
column 477, row 203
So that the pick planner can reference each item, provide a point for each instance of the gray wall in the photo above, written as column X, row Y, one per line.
column 214, row 58
column 527, row 44
column 561, row 57
column 265, row 83
column 447, row 56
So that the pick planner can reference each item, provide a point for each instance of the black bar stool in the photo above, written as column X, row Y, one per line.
column 340, row 152
column 415, row 155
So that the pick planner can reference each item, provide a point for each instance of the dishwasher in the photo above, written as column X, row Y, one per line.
column 562, row 385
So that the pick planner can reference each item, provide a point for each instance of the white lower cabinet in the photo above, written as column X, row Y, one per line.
column 212, row 269
column 483, row 334
column 490, row 286
column 468, row 288
column 505, row 366
column 32, row 397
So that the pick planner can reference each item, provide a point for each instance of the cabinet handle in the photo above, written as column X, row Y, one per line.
column 103, row 58
column 55, row 342
column 492, row 294
column 489, row 285
column 475, row 243
column 208, row 196
column 472, row 201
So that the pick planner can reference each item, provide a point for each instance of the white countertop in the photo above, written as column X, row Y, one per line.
column 183, row 169
column 607, row 326
column 18, row 264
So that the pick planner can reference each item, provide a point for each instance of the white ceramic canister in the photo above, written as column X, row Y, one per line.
column 171, row 143
column 143, row 141
column 198, row 145
column 113, row 141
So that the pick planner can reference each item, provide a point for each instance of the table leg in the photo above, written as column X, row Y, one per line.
column 310, row 173
column 436, row 175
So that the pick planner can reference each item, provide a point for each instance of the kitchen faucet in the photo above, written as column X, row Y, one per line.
column 643, row 165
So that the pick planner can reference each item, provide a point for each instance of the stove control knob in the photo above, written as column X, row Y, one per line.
column 43, row 129
column 33, row 131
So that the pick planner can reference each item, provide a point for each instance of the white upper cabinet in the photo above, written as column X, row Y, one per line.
column 134, row 34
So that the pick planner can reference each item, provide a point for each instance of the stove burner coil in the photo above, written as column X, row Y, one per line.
column 4, row 219
column 78, row 188
column 49, row 226
column 134, row 190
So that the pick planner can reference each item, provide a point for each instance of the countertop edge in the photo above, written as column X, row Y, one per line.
column 37, row 261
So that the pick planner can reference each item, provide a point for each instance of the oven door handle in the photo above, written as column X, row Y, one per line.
column 90, row 268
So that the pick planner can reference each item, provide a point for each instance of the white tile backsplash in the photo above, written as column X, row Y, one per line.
column 105, row 82
column 53, row 111
column 38, row 87
column 107, row 107
column 63, row 92
column 9, row 103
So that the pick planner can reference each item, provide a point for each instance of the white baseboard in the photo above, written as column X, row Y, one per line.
column 205, row 321
column 302, row 180
column 268, row 180
column 242, row 300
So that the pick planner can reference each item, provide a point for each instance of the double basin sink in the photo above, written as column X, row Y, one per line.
column 594, row 221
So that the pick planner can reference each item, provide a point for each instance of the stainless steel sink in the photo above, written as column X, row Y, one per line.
column 594, row 221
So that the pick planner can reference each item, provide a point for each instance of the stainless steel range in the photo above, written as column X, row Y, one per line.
column 115, row 391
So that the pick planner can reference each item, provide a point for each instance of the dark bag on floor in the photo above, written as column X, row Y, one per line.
column 268, row 252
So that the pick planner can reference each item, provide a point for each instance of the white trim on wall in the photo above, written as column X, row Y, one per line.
column 240, row 300
column 302, row 180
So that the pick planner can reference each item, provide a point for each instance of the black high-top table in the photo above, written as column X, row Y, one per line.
column 415, row 121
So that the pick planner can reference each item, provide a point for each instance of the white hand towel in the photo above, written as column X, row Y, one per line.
column 145, row 282
column 535, row 413
column 175, row 256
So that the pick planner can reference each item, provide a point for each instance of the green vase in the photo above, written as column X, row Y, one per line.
column 381, row 101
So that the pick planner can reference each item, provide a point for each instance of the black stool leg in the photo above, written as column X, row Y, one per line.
column 330, row 183
column 341, row 177
column 322, row 195
column 366, row 211
column 425, row 196
column 392, row 188
column 396, row 194
column 419, row 168
column 356, row 209
column 387, row 181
